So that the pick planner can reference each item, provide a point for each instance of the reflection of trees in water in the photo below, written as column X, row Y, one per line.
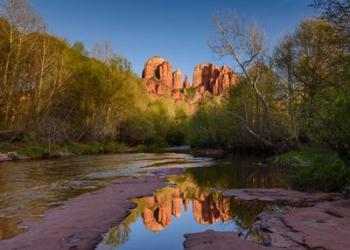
column 117, row 236
column 228, row 176
column 246, row 211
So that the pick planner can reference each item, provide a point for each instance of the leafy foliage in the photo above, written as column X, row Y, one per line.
column 315, row 169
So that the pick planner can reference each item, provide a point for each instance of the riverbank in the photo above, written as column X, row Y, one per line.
column 324, row 224
column 15, row 152
column 80, row 222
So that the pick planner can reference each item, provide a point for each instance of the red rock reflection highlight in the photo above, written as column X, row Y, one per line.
column 168, row 202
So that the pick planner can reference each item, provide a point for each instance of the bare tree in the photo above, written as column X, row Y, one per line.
column 245, row 44
column 103, row 51
column 284, row 59
column 20, row 21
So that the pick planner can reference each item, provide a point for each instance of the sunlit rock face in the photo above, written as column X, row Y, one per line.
column 187, row 83
column 158, row 75
column 207, row 78
column 152, row 67
column 177, row 79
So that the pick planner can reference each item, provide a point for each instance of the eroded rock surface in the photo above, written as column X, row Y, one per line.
column 80, row 222
column 324, row 226
column 177, row 79
column 187, row 83
column 207, row 78
column 214, row 79
column 210, row 240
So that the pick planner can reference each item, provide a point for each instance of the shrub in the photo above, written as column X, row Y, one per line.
column 315, row 169
column 111, row 147
column 33, row 151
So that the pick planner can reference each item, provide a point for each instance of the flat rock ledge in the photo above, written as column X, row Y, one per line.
column 210, row 240
column 80, row 222
column 319, row 221
column 324, row 226
column 281, row 196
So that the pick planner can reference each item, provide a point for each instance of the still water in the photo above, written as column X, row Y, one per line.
column 192, row 202
column 29, row 188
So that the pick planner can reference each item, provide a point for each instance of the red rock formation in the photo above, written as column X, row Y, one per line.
column 177, row 79
column 206, row 78
column 177, row 95
column 187, row 83
column 158, row 72
column 207, row 210
column 213, row 79
column 165, row 73
column 157, row 67
column 152, row 67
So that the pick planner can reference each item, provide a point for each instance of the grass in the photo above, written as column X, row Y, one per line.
column 96, row 148
column 315, row 169
column 42, row 151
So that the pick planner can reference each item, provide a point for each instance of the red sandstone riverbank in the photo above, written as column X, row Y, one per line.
column 323, row 221
column 80, row 222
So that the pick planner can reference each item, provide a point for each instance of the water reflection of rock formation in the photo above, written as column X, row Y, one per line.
column 207, row 209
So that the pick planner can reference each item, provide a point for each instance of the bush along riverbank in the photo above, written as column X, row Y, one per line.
column 314, row 169
column 42, row 151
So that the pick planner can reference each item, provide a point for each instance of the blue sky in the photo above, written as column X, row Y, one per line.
column 176, row 30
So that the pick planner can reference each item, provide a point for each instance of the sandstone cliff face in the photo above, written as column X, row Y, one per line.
column 158, row 75
column 214, row 80
column 152, row 67
column 177, row 79
column 207, row 78
column 187, row 83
